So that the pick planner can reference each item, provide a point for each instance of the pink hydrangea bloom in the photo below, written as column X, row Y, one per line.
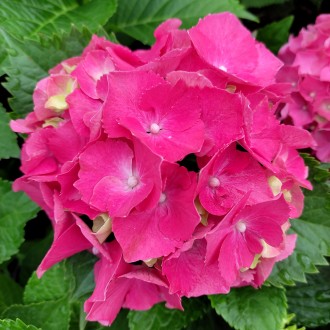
column 170, row 164
column 307, row 58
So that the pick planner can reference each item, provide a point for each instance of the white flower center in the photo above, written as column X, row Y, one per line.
column 162, row 198
column 241, row 226
column 132, row 181
column 223, row 68
column 95, row 251
column 214, row 182
column 154, row 128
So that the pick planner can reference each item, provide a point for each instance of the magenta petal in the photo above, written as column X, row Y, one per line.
column 167, row 121
column 155, row 233
column 191, row 79
column 140, row 237
column 233, row 50
column 106, row 311
column 125, row 88
column 181, row 217
column 221, row 109
column 189, row 276
column 109, row 157
column 262, row 130
column 112, row 194
column 228, row 176
column 109, row 179
column 228, row 259
column 296, row 137
column 82, row 108
column 265, row 220
column 68, row 240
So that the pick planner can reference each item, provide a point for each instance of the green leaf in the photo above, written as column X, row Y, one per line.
column 15, row 210
column 72, row 278
column 55, row 284
column 120, row 323
column 82, row 267
column 261, row 3
column 10, row 292
column 160, row 317
column 276, row 34
column 311, row 302
column 318, row 172
column 29, row 61
column 248, row 308
column 313, row 229
column 139, row 18
column 30, row 255
column 210, row 321
column 16, row 325
column 8, row 143
column 32, row 18
column 63, row 288
column 3, row 56
column 50, row 315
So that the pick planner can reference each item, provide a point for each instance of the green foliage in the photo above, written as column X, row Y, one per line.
column 160, row 317
column 311, row 301
column 15, row 210
column 27, row 63
column 46, row 315
column 50, row 302
column 10, row 292
column 276, row 34
column 30, row 255
column 32, row 18
column 15, row 325
column 313, row 229
column 55, row 284
column 262, row 3
column 8, row 143
column 247, row 308
column 139, row 18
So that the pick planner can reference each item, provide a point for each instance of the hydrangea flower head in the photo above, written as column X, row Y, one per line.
column 307, row 62
column 169, row 164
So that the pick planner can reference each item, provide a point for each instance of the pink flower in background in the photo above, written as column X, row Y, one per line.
column 308, row 56
column 170, row 164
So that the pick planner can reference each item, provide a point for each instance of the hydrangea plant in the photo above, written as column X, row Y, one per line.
column 168, row 173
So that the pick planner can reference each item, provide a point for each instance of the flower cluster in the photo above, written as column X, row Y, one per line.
column 169, row 164
column 307, row 69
